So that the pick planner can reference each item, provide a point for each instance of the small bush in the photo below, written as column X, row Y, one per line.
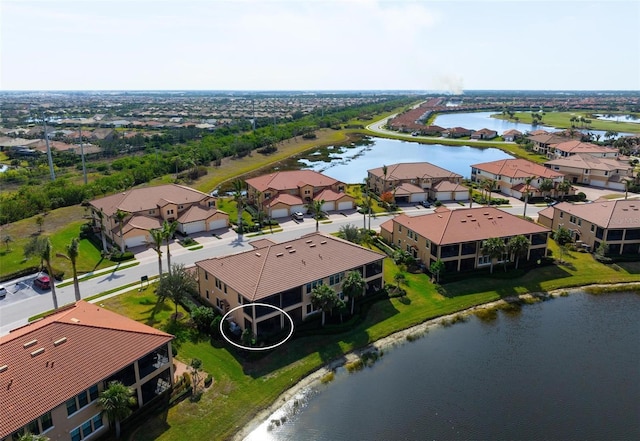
column 328, row 377
column 208, row 380
column 355, row 365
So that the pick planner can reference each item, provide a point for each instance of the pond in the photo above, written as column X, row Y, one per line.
column 562, row 369
column 350, row 164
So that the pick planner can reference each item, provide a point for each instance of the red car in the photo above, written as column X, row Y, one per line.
column 42, row 282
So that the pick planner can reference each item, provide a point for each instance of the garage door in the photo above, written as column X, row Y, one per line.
column 217, row 224
column 328, row 206
column 193, row 227
column 135, row 241
column 417, row 197
column 281, row 212
column 300, row 208
column 348, row 205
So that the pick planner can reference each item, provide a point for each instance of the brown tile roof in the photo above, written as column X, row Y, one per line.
column 406, row 189
column 512, row 132
column 139, row 222
column 197, row 213
column 586, row 161
column 284, row 198
column 329, row 195
column 605, row 214
column 582, row 147
column 261, row 243
column 271, row 269
column 517, row 168
column 148, row 198
column 467, row 225
column 413, row 170
column 98, row 344
column 287, row 180
column 449, row 186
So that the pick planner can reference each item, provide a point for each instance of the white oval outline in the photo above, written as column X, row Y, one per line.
column 263, row 348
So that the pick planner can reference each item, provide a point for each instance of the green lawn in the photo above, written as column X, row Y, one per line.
column 563, row 120
column 243, row 386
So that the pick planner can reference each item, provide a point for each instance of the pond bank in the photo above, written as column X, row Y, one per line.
column 289, row 398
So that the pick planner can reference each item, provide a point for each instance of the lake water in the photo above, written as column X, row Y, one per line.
column 482, row 120
column 565, row 369
column 350, row 164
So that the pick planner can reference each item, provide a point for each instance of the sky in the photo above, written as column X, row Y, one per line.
column 426, row 45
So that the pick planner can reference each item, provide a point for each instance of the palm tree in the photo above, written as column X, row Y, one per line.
column 518, row 246
column 527, row 186
column 353, row 287
column 436, row 269
column 168, row 230
column 41, row 246
column 470, row 190
column 324, row 298
column 238, row 197
column 72, row 256
column 6, row 239
column 157, row 237
column 102, row 235
column 399, row 278
column 489, row 186
column 120, row 215
column 546, row 186
column 493, row 247
column 116, row 401
column 384, row 174
column 316, row 209
column 564, row 187
column 175, row 285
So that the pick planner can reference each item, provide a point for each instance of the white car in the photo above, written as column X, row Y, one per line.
column 298, row 216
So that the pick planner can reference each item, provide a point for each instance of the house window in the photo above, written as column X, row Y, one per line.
column 586, row 172
column 307, row 191
column 180, row 207
column 593, row 228
column 212, row 203
column 267, row 195
column 556, row 168
column 312, row 285
column 45, row 421
column 336, row 278
column 206, row 276
column 93, row 393
column 428, row 244
column 97, row 422
column 310, row 309
column 72, row 407
column 239, row 299
column 152, row 212
column 169, row 211
column 87, row 428
column 572, row 219
column 399, row 227
column 484, row 260
column 225, row 287
column 579, row 222
column 75, row 434
column 218, row 303
column 561, row 215
column 207, row 293
column 218, row 283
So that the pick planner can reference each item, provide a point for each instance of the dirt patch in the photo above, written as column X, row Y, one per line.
column 53, row 221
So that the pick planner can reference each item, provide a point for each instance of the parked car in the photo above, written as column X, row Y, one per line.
column 298, row 215
column 42, row 282
column 3, row 292
column 426, row 204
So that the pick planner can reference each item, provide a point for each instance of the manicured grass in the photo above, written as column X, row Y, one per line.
column 563, row 120
column 61, row 226
column 244, row 385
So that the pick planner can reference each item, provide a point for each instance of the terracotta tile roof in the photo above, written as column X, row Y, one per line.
column 512, row 132
column 261, row 243
column 140, row 223
column 148, row 198
column 98, row 344
column 546, row 138
column 284, row 198
column 271, row 269
column 582, row 147
column 467, row 225
column 406, row 189
column 387, row 225
column 329, row 195
column 517, row 168
column 449, row 186
column 197, row 213
column 287, row 180
column 605, row 214
column 586, row 161
column 413, row 170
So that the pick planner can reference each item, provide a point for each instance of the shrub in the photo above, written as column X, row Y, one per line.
column 202, row 316
column 208, row 380
column 118, row 256
column 328, row 377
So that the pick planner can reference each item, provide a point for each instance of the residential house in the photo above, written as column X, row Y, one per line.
column 510, row 177
column 616, row 222
column 583, row 168
column 53, row 370
column 484, row 134
column 283, row 275
column 457, row 132
column 574, row 147
column 543, row 141
column 456, row 236
column 412, row 182
column 148, row 207
column 283, row 193
column 511, row 135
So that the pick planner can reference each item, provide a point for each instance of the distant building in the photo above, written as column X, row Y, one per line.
column 584, row 168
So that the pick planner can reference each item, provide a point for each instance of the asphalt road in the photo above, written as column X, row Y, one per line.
column 24, row 301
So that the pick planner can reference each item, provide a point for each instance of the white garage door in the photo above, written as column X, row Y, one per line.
column 217, row 224
column 417, row 197
column 135, row 241
column 328, row 206
column 348, row 205
column 193, row 227
column 281, row 212
column 300, row 208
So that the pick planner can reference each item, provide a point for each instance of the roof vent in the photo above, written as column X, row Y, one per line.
column 469, row 215
column 485, row 213
column 292, row 251
column 29, row 344
column 3, row 368
column 490, row 218
column 258, row 254
column 37, row 352
column 309, row 241
column 464, row 221
column 279, row 255
column 59, row 341
column 473, row 220
column 75, row 320
column 312, row 245
column 288, row 246
column 323, row 242
column 499, row 217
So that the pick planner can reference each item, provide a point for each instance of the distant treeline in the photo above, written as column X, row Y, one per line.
column 186, row 152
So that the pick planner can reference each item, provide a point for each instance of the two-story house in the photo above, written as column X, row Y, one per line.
column 283, row 193
column 53, row 370
column 456, row 236
column 283, row 275
column 147, row 208
column 584, row 168
column 414, row 182
column 615, row 222
column 510, row 176
column 569, row 148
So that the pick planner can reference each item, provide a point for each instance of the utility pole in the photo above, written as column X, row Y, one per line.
column 49, row 157
column 84, row 167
